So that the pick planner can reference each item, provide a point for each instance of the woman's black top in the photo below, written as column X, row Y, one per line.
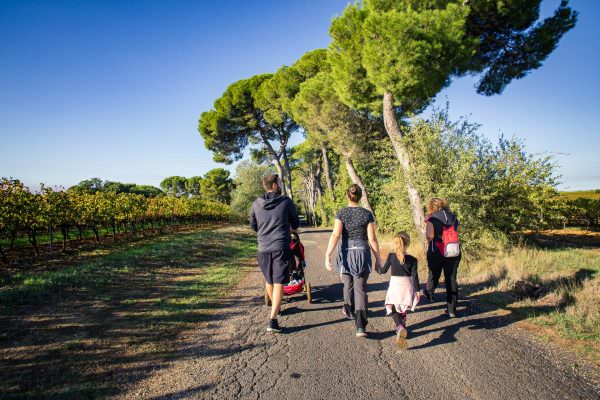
column 410, row 267
column 354, row 222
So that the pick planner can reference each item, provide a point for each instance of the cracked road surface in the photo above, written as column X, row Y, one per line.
column 476, row 356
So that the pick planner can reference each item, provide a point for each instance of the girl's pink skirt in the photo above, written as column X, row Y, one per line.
column 400, row 295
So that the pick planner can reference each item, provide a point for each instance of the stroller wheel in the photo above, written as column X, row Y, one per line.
column 267, row 299
column 308, row 294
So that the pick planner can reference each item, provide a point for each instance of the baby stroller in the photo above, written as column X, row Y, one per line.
column 298, row 282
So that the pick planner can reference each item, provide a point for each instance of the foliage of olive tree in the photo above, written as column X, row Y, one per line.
column 495, row 189
column 248, row 186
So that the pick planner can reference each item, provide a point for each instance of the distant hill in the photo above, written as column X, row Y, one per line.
column 581, row 194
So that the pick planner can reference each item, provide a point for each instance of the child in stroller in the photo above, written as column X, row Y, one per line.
column 297, row 265
column 298, row 281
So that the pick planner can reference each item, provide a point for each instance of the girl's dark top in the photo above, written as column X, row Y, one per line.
column 409, row 268
column 354, row 222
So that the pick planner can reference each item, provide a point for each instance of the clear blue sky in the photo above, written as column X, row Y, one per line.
column 113, row 89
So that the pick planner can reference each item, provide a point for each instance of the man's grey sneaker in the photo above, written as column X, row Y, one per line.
column 360, row 332
column 273, row 326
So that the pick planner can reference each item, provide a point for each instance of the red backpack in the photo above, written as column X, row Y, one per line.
column 449, row 246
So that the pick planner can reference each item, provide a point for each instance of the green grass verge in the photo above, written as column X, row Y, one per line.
column 82, row 331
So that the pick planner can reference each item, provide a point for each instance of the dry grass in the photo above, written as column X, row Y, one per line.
column 562, row 295
column 586, row 305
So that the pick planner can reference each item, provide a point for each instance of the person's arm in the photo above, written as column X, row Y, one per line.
column 387, row 265
column 415, row 278
column 253, row 221
column 333, row 240
column 372, row 235
column 429, row 231
column 293, row 216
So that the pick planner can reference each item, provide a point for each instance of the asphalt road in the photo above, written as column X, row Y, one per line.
column 476, row 356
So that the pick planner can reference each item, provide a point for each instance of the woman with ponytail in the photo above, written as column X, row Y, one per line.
column 355, row 226
column 403, row 291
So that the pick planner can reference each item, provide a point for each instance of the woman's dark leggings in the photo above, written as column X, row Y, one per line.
column 449, row 265
column 355, row 297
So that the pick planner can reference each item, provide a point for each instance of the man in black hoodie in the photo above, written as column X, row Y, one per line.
column 274, row 217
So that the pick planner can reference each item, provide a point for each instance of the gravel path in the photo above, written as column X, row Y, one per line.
column 476, row 356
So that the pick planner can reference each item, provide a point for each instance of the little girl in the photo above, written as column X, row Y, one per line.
column 403, row 291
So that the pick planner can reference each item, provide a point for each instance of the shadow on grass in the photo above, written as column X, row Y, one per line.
column 112, row 322
column 479, row 302
column 560, row 239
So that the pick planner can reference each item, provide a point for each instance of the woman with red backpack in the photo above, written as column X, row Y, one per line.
column 443, row 251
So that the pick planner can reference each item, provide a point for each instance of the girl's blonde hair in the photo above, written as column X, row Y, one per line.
column 401, row 242
column 436, row 204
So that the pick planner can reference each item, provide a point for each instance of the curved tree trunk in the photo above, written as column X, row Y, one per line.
column 393, row 131
column 327, row 169
column 287, row 182
column 356, row 179
column 321, row 206
column 279, row 169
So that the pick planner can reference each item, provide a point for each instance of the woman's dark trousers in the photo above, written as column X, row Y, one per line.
column 355, row 297
column 449, row 265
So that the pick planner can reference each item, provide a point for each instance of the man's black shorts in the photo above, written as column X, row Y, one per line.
column 275, row 265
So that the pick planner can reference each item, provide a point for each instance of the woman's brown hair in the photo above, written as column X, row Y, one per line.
column 436, row 204
column 401, row 242
column 354, row 193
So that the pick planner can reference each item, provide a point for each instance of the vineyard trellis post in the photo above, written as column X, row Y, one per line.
column 51, row 240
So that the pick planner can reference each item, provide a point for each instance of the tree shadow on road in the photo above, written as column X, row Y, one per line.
column 295, row 329
column 448, row 332
column 183, row 394
column 482, row 301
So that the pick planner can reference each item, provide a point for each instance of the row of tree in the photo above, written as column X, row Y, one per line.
column 49, row 211
column 215, row 185
column 580, row 212
column 94, row 185
column 354, row 101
